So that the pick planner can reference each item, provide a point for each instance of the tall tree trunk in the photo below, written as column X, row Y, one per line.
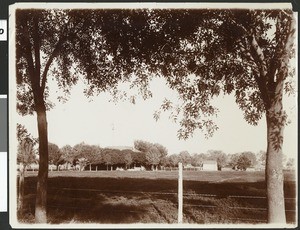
column 274, row 174
column 276, row 120
column 41, row 194
column 21, row 188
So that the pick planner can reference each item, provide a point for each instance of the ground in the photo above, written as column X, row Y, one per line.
column 151, row 197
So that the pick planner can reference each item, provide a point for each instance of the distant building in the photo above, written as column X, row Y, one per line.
column 192, row 168
column 210, row 166
column 123, row 148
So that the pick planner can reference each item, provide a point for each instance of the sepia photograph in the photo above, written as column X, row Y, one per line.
column 172, row 115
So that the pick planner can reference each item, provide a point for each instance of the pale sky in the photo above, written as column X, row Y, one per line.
column 92, row 122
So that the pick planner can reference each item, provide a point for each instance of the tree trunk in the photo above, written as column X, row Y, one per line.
column 96, row 168
column 21, row 188
column 276, row 119
column 41, row 194
column 90, row 167
column 274, row 172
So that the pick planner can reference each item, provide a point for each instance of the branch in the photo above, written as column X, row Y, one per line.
column 246, row 53
column 289, row 43
column 49, row 62
column 238, row 24
column 58, row 45
column 36, row 44
column 28, row 56
column 260, row 55
column 262, row 86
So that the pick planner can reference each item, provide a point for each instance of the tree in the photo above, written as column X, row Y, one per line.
column 128, row 160
column 233, row 162
column 184, row 157
column 153, row 152
column 25, row 139
column 200, row 53
column 55, row 155
column 107, row 159
column 290, row 164
column 94, row 155
column 67, row 44
column 261, row 159
column 197, row 159
column 81, row 162
column 163, row 152
column 251, row 156
column 218, row 156
column 244, row 52
column 174, row 160
column 91, row 154
column 153, row 157
column 67, row 154
column 142, row 146
column 138, row 158
column 25, row 157
column 165, row 162
column 243, row 162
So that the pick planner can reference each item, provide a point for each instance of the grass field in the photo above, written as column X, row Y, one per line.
column 151, row 197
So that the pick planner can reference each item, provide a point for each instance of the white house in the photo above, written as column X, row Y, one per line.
column 210, row 166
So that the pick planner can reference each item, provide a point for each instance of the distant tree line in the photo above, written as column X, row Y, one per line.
column 152, row 156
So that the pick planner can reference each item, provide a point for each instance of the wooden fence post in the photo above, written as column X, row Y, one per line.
column 180, row 194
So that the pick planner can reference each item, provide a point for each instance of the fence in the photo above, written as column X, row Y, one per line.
column 170, row 206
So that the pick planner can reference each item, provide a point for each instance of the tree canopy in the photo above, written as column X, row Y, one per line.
column 201, row 53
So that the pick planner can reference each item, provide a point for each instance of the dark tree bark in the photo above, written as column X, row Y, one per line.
column 41, row 197
column 21, row 188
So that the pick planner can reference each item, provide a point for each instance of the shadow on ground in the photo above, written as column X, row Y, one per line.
column 140, row 200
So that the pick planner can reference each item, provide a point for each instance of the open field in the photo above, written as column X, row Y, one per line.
column 151, row 197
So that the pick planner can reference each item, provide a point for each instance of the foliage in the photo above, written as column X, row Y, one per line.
column 153, row 156
column 291, row 164
column 174, row 160
column 55, row 155
column 142, row 146
column 26, row 152
column 261, row 158
column 246, row 64
column 67, row 154
column 201, row 54
column 82, row 162
column 154, row 153
column 198, row 158
column 184, row 157
column 243, row 160
column 127, row 159
column 218, row 156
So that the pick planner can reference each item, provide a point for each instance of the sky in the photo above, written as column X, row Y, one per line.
column 105, row 123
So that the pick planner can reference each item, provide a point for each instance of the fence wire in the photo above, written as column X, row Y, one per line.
column 148, row 193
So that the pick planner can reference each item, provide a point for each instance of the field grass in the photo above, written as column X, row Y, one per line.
column 151, row 197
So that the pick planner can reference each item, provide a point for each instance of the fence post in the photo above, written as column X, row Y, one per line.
column 180, row 194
